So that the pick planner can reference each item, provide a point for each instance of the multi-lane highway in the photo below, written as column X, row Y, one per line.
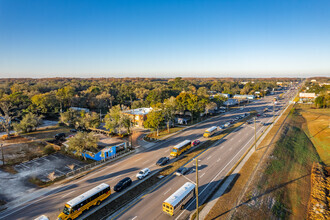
column 215, row 162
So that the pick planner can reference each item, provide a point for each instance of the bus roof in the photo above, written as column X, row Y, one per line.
column 211, row 129
column 182, row 144
column 87, row 194
column 176, row 197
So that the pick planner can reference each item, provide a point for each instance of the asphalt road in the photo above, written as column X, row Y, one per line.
column 214, row 164
column 51, row 203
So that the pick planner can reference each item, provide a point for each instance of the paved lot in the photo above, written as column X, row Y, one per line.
column 42, row 166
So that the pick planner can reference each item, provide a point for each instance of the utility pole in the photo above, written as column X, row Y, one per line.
column 273, row 111
column 255, row 134
column 197, row 212
column 3, row 156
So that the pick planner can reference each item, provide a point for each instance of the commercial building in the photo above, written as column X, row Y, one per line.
column 138, row 115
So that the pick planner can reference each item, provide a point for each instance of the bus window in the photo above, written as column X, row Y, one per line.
column 174, row 150
column 66, row 210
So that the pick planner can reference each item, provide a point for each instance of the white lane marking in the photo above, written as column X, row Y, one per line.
column 218, row 160
column 167, row 191
column 231, row 138
column 145, row 162
column 134, row 218
column 59, row 171
column 167, row 150
column 67, row 194
column 209, row 158
column 193, row 201
column 239, row 140
column 24, row 166
column 138, row 159
column 202, row 175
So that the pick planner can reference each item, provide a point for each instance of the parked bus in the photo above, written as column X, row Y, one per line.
column 180, row 148
column 179, row 199
column 210, row 131
column 76, row 206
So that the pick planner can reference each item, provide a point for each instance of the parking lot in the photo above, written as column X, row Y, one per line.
column 42, row 166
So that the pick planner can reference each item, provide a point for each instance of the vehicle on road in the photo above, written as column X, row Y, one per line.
column 162, row 161
column 241, row 108
column 179, row 199
column 222, row 127
column 76, row 206
column 122, row 184
column 180, row 148
column 222, row 111
column 227, row 124
column 210, row 131
column 181, row 171
column 60, row 136
column 143, row 173
column 196, row 142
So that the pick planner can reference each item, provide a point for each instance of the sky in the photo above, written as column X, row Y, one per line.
column 164, row 38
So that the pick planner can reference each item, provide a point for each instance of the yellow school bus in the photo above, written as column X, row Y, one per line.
column 76, row 206
column 180, row 148
column 210, row 131
column 179, row 199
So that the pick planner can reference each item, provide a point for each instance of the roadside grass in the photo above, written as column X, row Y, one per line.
column 318, row 130
column 162, row 133
column 282, row 187
column 47, row 133
column 228, row 200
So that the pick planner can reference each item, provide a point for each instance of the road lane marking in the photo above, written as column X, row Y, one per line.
column 193, row 201
column 239, row 140
column 167, row 191
column 145, row 162
column 209, row 158
column 230, row 148
column 138, row 159
column 67, row 194
column 218, row 160
column 167, row 150
column 134, row 218
column 202, row 175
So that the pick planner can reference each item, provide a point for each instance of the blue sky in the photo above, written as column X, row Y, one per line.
column 164, row 38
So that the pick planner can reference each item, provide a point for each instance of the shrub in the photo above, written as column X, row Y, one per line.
column 49, row 149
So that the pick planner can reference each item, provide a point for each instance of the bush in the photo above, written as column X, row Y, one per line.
column 49, row 149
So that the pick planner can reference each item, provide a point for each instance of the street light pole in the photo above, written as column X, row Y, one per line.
column 3, row 156
column 255, row 134
column 197, row 212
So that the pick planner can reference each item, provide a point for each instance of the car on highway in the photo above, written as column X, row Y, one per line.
column 162, row 161
column 122, row 184
column 196, row 142
column 143, row 173
column 222, row 111
column 241, row 108
column 221, row 126
column 181, row 171
column 227, row 124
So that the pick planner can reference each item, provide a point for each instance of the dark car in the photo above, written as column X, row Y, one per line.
column 162, row 161
column 122, row 184
column 59, row 136
column 181, row 171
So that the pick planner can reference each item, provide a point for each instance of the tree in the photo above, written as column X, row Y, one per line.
column 29, row 123
column 64, row 95
column 169, row 110
column 82, row 142
column 154, row 120
column 125, row 122
column 90, row 120
column 43, row 103
column 112, row 119
column 10, row 106
column 210, row 107
column 70, row 118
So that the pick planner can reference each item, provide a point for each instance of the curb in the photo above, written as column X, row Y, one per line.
column 227, row 180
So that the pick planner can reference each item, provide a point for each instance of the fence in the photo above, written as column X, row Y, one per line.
column 89, row 166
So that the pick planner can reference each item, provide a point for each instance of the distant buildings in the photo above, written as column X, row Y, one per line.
column 80, row 109
column 306, row 97
column 138, row 115
column 244, row 97
column 231, row 102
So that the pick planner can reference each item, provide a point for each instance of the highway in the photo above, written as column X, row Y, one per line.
column 219, row 158
column 214, row 164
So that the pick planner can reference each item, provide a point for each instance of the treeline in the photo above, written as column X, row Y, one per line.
column 49, row 97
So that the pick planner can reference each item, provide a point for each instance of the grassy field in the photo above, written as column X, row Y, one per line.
column 164, row 133
column 47, row 134
column 283, row 187
column 317, row 127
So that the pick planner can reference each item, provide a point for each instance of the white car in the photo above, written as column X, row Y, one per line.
column 143, row 173
column 227, row 124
